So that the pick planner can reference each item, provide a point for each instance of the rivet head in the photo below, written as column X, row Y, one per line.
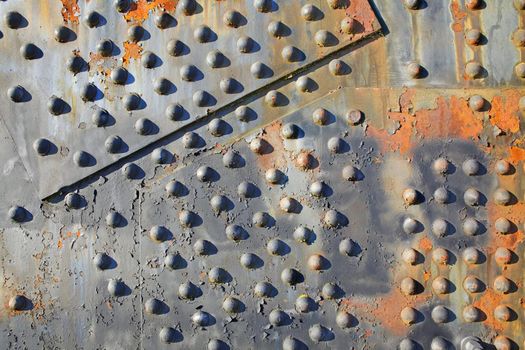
column 503, row 313
column 202, row 34
column 203, row 247
column 411, row 4
column 262, row 5
column 502, row 285
column 29, row 51
column 519, row 69
column 289, row 205
column 503, row 167
column 153, row 306
column 244, row 113
column 324, row 38
column 250, row 261
column 476, row 103
column 232, row 305
column 410, row 256
column 162, row 86
column 274, row 176
column 440, row 343
column 174, row 112
column 336, row 145
column 473, row 4
column 73, row 200
column 42, row 146
column 472, row 256
column 159, row 233
column 175, row 47
column 410, row 196
column 175, row 188
column 350, row 173
column 264, row 289
column 338, row 67
column 502, row 196
column 62, row 34
column 317, row 262
column 232, row 159
column 188, row 7
column 190, row 140
column 337, row 4
column 228, row 85
column 219, row 203
column 309, row 12
column 116, row 288
column 114, row 219
column 289, row 131
column 218, row 275
column 473, row 36
column 321, row 116
column 149, row 59
column 441, row 256
column 344, row 320
column 122, row 6
column 332, row 218
column 113, row 144
column 13, row 19
column 304, row 304
column 410, row 225
column 201, row 98
column 161, row 156
column 441, row 166
column 82, row 158
column 235, row 233
column 215, row 59
column 119, row 75
column 501, row 342
column 102, row 261
column 276, row 247
column 471, row 314
column 169, row 335
column 19, row 303
column 105, row 48
column 247, row 190
column 205, row 173
column 318, row 332
column 442, row 195
column 472, row 284
column 318, row 189
column 304, row 84
column 472, row 197
column 348, row 25
column 278, row 317
column 174, row 261
column 245, row 44
column 164, row 20
column 144, row 126
column 136, row 33
column 441, row 285
column 16, row 93
column 471, row 226
column 409, row 315
column 17, row 213
column 471, row 167
column 131, row 101
column 414, row 70
column 232, row 18
column 503, row 225
column 131, row 171
column 303, row 234
column 305, row 160
column 261, row 219
column 409, row 286
column 440, row 314
column 75, row 64
column 188, row 72
column 272, row 98
column 440, row 227
column 330, row 291
column 520, row 4
column 473, row 70
column 291, row 276
column 354, row 117
column 88, row 93
column 217, row 344
column 92, row 19
column 290, row 53
column 201, row 319
column 188, row 290
column 503, row 256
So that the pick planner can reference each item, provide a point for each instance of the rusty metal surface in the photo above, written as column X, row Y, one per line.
column 371, row 198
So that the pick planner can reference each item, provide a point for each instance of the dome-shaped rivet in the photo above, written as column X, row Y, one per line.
column 188, row 290
column 244, row 113
column 88, row 93
column 202, row 34
column 247, row 190
column 321, row 116
column 261, row 219
column 215, row 59
column 317, row 262
column 159, row 233
column 232, row 305
column 29, row 51
column 410, row 225
column 105, row 48
column 114, row 219
column 63, row 34
column 503, row 256
column 330, row 290
column 408, row 344
column 136, row 33
column 291, row 53
column 414, row 70
column 232, row 18
column 122, row 6
column 333, row 218
column 169, row 335
column 174, row 261
column 42, row 146
column 228, row 85
column 442, row 195
column 19, row 303
column 354, row 117
column 272, row 98
column 409, row 315
column 278, row 317
column 205, row 173
column 440, row 343
column 471, row 314
column 131, row 101
column 338, row 67
column 149, row 60
column 162, row 86
column 203, row 247
column 218, row 275
column 503, row 313
column 153, row 306
column 441, row 166
column 75, row 64
column 440, row 314
column 440, row 227
column 231, row 159
column 217, row 344
column 102, row 261
column 502, row 285
column 502, row 197
column 16, row 93
column 473, row 36
column 188, row 72
column 161, row 156
column 304, row 84
column 336, row 145
column 73, row 200
column 264, row 289
column 344, row 320
column 519, row 69
column 17, row 213
column 472, row 285
column 473, row 4
column 472, row 197
column 318, row 189
column 337, row 4
column 258, row 70
column 274, row 176
column 471, row 167
column 119, row 75
column 520, row 5
column 324, row 38
column 410, row 196
column 219, row 203
column 503, row 225
column 116, row 288
column 410, row 256
column 350, row 173
column 348, row 25
column 144, row 126
column 164, row 20
column 113, row 144
column 441, row 256
column 188, row 7
column 174, row 188
column 303, row 234
column 13, row 19
column 175, row 47
column 174, row 112
column 472, row 256
column 441, row 285
column 473, row 69
column 235, row 232
column 501, row 342
column 471, row 226
column 190, row 140
column 262, row 5
column 82, row 158
column 289, row 205
column 309, row 12
column 245, row 44
column 411, row 4
column 258, row 145
column 409, row 286
column 318, row 332
column 503, row 167
column 304, row 304
column 291, row 276
column 250, row 261
column 276, row 247
column 92, row 19
column 201, row 318
column 201, row 98
column 276, row 29
column 305, row 160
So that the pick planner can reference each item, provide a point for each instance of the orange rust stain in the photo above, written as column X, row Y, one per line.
column 140, row 10
column 60, row 244
column 276, row 158
column 516, row 154
column 70, row 11
column 458, row 15
column 427, row 275
column 425, row 244
column 504, row 111
column 487, row 303
column 131, row 51
column 361, row 11
column 516, row 214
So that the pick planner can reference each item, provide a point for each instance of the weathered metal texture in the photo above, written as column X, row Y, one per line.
column 393, row 190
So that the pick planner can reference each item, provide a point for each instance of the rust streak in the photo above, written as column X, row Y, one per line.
column 141, row 9
column 131, row 51
column 70, row 11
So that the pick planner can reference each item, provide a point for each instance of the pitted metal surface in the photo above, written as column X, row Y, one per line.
column 368, row 195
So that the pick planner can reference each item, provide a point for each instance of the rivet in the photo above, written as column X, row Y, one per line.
column 63, row 34
column 122, row 6
column 136, row 33
column 16, row 93
column 503, row 256
column 442, row 195
column 472, row 256
column 441, row 285
column 56, row 105
column 113, row 144
column 409, row 286
column 190, row 140
column 409, row 315
column 440, row 343
column 441, row 166
column 291, row 53
column 337, row 67
column 278, row 317
column 232, row 18
column 408, row 344
column 440, row 314
column 304, row 304
column 13, row 19
column 330, row 291
column 317, row 262
column 174, row 261
column 410, row 196
column 471, row 166
column 472, row 284
column 303, row 234
column 144, row 126
column 235, row 232
column 119, row 75
column 201, row 318
column 410, row 225
column 350, row 173
column 321, row 116
column 412, row 4
column 203, row 247
column 348, row 25
column 309, row 12
column 218, row 275
column 102, row 261
column 82, row 158
column 501, row 342
column 188, row 72
column 73, row 200
column 174, row 112
column 231, row 159
column 250, row 260
column 162, row 86
column 410, row 256
column 169, row 335
column 276, row 247
column 217, row 344
column 114, row 219
column 215, row 59
column 318, row 189
column 472, row 197
column 164, row 20
column 159, row 233
column 324, row 38
column 502, row 196
column 414, row 70
column 88, row 93
column 264, row 289
column 149, row 59
column 305, row 160
column 344, row 320
column 440, row 227
column 519, row 69
column 202, row 34
column 354, row 117
column 291, row 276
column 174, row 188
column 205, row 173
column 471, row 314
column 473, row 4
column 219, row 203
column 274, row 176
column 336, row 145
column 520, row 4
column 29, row 51
column 188, row 7
column 318, row 333
column 503, row 225
column 105, row 48
column 131, row 101
column 304, row 84
column 131, row 171
column 503, row 313
column 228, row 85
column 503, row 167
column 116, row 288
column 75, row 64
column 161, row 156
column 272, row 98
column 17, row 213
column 332, row 218
column 262, row 5
column 92, row 19
column 175, row 47
column 244, row 113
column 337, row 4
column 19, row 303
column 247, row 190
column 201, row 98
column 245, row 44
column 188, row 290
column 290, row 131
column 232, row 305
column 42, row 146
column 473, row 69
column 473, row 36
column 502, row 285
column 261, row 219
column 289, row 205
column 153, row 306
column 441, row 256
